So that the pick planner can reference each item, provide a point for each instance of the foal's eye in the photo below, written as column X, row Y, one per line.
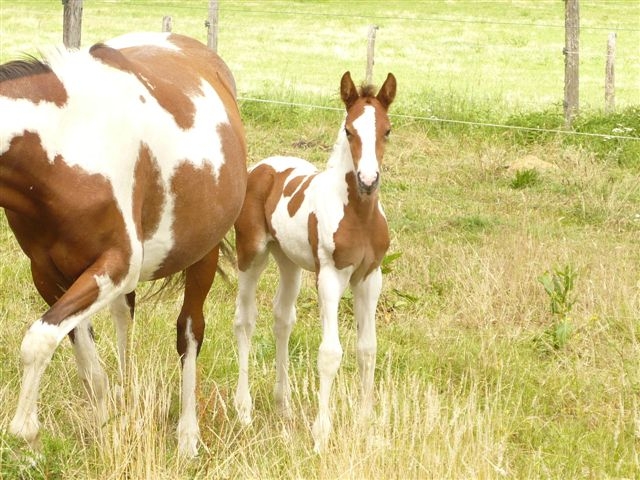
column 387, row 133
column 347, row 132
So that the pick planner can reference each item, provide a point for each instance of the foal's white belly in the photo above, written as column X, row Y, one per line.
column 293, row 237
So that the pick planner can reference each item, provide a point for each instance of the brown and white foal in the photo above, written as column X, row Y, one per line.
column 330, row 223
column 118, row 164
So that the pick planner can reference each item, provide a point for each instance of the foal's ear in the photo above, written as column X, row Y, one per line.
column 388, row 91
column 348, row 90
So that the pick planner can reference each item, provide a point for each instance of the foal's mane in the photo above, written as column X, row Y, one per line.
column 25, row 67
column 367, row 90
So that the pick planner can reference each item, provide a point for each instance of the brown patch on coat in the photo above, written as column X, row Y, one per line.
column 44, row 85
column 362, row 237
column 312, row 225
column 291, row 185
column 173, row 77
column 149, row 196
column 251, row 225
column 275, row 194
column 67, row 222
column 194, row 187
column 296, row 202
column 265, row 188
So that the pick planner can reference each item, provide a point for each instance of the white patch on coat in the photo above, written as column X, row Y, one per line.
column 188, row 429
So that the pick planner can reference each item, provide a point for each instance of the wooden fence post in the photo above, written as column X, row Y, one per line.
column 167, row 23
column 370, row 44
column 610, row 77
column 212, row 26
column 72, row 23
column 571, row 61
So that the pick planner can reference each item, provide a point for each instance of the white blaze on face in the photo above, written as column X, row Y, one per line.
column 365, row 126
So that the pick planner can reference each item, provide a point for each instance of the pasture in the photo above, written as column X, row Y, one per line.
column 509, row 321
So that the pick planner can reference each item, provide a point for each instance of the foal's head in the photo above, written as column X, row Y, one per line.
column 367, row 127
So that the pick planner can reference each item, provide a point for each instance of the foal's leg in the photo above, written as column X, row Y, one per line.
column 365, row 299
column 190, row 332
column 284, row 312
column 331, row 286
column 91, row 292
column 244, row 325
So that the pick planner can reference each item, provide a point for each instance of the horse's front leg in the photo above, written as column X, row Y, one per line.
column 331, row 285
column 92, row 291
column 190, row 333
column 365, row 299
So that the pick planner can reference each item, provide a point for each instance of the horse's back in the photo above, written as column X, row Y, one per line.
column 145, row 128
column 204, row 158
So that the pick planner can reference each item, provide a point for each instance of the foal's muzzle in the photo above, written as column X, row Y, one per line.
column 366, row 185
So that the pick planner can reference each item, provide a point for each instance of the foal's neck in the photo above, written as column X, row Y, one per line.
column 340, row 165
column 340, row 160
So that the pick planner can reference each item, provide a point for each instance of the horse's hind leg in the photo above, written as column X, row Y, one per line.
column 122, row 310
column 284, row 312
column 190, row 333
column 90, row 370
column 92, row 291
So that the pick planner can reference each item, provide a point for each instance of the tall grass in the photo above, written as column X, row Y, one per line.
column 467, row 386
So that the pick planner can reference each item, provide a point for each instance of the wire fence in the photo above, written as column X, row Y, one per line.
column 471, row 52
column 613, row 136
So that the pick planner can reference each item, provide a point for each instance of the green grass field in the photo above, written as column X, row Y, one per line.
column 482, row 371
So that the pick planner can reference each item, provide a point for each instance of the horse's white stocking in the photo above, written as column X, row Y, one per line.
column 188, row 429
column 90, row 370
column 284, row 312
column 365, row 300
column 331, row 285
column 244, row 325
column 121, row 316
column 36, row 351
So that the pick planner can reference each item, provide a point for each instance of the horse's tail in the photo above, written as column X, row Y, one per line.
column 227, row 258
column 174, row 284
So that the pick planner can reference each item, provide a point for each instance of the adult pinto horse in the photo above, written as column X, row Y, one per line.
column 118, row 164
column 331, row 223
